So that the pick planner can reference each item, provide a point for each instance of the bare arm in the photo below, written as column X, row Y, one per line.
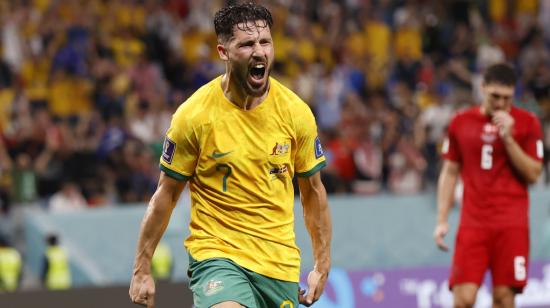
column 154, row 224
column 445, row 196
column 528, row 167
column 318, row 222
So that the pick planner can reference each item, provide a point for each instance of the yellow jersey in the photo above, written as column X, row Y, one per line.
column 240, row 164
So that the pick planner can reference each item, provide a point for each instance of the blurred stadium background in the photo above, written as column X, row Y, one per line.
column 87, row 88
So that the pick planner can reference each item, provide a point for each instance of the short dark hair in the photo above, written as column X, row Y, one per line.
column 501, row 73
column 52, row 239
column 232, row 15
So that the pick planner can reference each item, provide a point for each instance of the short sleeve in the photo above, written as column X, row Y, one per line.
column 532, row 144
column 309, row 155
column 180, row 149
column 450, row 149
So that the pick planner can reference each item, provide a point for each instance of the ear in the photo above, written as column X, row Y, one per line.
column 222, row 52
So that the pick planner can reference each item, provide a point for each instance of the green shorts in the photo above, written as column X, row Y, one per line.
column 217, row 280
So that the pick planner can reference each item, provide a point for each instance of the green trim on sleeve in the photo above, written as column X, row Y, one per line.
column 311, row 172
column 173, row 174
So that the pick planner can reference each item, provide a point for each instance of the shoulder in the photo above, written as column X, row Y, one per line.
column 195, row 109
column 526, row 119
column 523, row 114
column 465, row 114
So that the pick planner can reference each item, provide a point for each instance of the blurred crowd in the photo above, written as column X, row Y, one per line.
column 87, row 87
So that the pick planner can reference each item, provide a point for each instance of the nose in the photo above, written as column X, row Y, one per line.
column 258, row 51
column 500, row 103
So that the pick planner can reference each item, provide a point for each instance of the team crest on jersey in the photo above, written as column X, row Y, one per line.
column 489, row 133
column 212, row 287
column 280, row 148
column 168, row 150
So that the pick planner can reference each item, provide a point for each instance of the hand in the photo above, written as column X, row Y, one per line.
column 441, row 229
column 315, row 285
column 504, row 121
column 142, row 290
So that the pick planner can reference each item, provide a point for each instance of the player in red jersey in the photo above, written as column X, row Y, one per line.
column 497, row 150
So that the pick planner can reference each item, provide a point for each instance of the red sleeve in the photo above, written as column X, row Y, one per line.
column 532, row 143
column 450, row 149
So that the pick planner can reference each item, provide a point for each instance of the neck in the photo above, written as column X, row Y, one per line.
column 238, row 96
column 483, row 110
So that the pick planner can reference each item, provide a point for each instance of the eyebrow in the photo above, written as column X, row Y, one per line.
column 499, row 95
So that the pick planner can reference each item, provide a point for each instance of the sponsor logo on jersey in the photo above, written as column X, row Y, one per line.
column 280, row 148
column 318, row 148
column 278, row 170
column 168, row 150
column 212, row 287
column 489, row 133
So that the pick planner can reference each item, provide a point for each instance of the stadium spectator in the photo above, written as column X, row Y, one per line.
column 238, row 141
column 128, row 60
column 69, row 198
column 6, row 178
column 497, row 150
column 162, row 264
column 56, row 272
column 10, row 267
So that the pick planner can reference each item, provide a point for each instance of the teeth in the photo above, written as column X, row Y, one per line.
column 259, row 66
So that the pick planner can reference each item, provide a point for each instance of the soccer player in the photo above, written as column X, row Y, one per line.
column 497, row 150
column 239, row 140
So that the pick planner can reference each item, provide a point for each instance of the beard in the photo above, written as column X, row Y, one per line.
column 252, row 86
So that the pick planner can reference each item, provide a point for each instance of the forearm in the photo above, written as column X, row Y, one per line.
column 445, row 194
column 153, row 225
column 528, row 168
column 318, row 222
column 42, row 161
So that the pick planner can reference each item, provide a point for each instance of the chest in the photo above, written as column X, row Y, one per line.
column 479, row 141
column 248, row 142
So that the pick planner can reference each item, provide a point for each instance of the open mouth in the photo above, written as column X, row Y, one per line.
column 257, row 72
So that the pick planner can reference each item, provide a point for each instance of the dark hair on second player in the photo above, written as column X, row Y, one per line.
column 501, row 73
column 235, row 14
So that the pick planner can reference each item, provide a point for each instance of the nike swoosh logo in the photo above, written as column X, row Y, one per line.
column 219, row 155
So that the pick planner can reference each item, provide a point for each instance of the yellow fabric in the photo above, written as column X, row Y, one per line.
column 380, row 33
column 497, row 10
column 127, row 50
column 284, row 46
column 241, row 164
column 527, row 6
column 10, row 268
column 130, row 16
column 356, row 45
column 41, row 5
column 325, row 56
column 306, row 50
column 69, row 95
column 7, row 95
column 162, row 261
column 424, row 99
column 192, row 44
column 35, row 75
column 408, row 43
column 58, row 276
